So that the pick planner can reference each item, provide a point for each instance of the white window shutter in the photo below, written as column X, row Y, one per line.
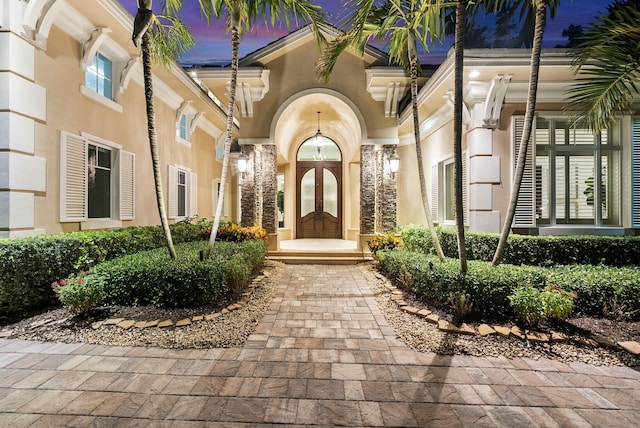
column 73, row 178
column 434, row 193
column 127, row 185
column 193, row 194
column 525, row 209
column 173, row 192
column 635, row 172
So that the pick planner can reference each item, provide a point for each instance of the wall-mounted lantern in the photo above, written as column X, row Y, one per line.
column 243, row 162
column 394, row 164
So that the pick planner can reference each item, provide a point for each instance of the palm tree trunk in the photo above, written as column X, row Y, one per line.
column 416, row 134
column 235, row 44
column 541, row 14
column 461, row 22
column 153, row 140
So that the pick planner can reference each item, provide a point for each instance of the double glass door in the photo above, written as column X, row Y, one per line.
column 319, row 196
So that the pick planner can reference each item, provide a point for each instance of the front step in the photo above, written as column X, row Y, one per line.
column 319, row 257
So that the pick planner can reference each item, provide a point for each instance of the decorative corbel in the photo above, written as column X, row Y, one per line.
column 181, row 109
column 495, row 100
column 194, row 122
column 127, row 72
column 91, row 46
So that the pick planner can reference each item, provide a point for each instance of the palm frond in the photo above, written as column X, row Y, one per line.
column 608, row 66
column 170, row 38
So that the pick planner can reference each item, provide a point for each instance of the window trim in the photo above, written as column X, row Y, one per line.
column 552, row 150
column 191, row 192
column 73, row 167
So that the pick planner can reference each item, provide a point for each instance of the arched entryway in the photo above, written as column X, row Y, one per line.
column 319, row 189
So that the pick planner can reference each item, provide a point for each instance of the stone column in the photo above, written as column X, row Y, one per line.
column 379, row 155
column 389, row 192
column 367, row 190
column 247, row 186
column 269, row 188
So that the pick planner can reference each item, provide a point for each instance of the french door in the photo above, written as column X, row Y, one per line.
column 319, row 199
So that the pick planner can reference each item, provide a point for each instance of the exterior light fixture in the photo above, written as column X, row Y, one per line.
column 243, row 162
column 319, row 137
column 394, row 164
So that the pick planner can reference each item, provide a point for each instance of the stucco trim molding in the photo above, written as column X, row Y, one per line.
column 319, row 90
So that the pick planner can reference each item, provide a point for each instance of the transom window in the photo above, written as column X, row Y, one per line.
column 576, row 175
column 329, row 150
column 98, row 76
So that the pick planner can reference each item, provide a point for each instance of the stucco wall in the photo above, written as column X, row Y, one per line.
column 58, row 69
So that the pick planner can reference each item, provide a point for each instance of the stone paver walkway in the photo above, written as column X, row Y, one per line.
column 324, row 355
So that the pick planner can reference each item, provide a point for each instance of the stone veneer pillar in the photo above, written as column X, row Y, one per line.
column 269, row 188
column 247, row 189
column 387, row 194
column 22, row 103
column 367, row 190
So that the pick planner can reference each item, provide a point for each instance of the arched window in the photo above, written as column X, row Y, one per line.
column 329, row 150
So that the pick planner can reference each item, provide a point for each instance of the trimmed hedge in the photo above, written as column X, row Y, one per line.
column 152, row 278
column 28, row 266
column 601, row 290
column 531, row 250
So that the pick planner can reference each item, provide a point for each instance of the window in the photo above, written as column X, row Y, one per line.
column 98, row 76
column 226, row 207
column 183, row 192
column 97, row 180
column 181, row 127
column 576, row 176
column 443, row 199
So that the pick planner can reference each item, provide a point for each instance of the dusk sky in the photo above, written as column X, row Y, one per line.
column 213, row 45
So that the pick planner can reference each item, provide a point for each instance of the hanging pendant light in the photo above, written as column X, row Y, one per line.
column 319, row 137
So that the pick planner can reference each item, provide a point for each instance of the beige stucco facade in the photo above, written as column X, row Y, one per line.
column 49, row 117
column 49, row 65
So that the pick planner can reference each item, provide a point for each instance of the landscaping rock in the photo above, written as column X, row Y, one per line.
column 584, row 341
column 424, row 313
column 96, row 325
column 213, row 316
column 126, row 324
column 502, row 331
column 559, row 337
column 113, row 321
column 433, row 318
column 182, row 323
column 446, row 326
column 517, row 332
column 604, row 341
column 631, row 347
column 410, row 309
column 466, row 329
column 485, row 330
column 197, row 318
column 165, row 323
column 536, row 336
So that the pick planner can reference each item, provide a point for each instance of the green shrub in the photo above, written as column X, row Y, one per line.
column 152, row 278
column 598, row 290
column 80, row 293
column 531, row 250
column 530, row 305
column 527, row 305
column 417, row 238
column 601, row 290
column 28, row 266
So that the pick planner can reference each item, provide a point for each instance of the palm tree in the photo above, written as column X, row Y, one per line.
column 607, row 56
column 162, row 38
column 240, row 15
column 540, row 9
column 403, row 25
column 461, row 24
